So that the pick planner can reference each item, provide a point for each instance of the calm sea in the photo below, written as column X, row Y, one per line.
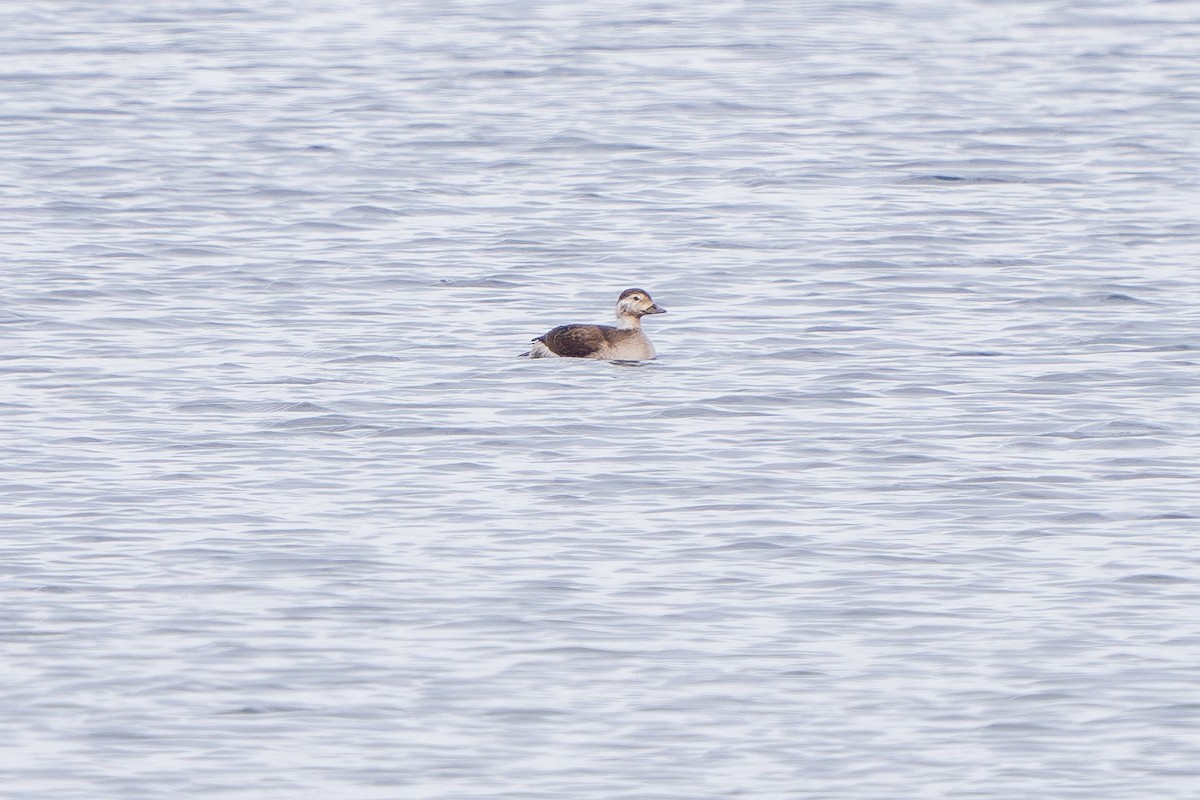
column 907, row 507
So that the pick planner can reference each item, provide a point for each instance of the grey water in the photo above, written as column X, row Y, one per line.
column 908, row 505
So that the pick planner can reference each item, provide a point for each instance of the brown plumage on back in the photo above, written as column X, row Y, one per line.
column 626, row 342
column 575, row 341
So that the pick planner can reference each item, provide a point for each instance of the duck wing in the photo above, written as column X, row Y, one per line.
column 576, row 341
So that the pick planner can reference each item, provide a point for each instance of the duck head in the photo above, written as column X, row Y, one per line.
column 637, row 303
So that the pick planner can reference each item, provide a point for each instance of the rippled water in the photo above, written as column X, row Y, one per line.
column 907, row 506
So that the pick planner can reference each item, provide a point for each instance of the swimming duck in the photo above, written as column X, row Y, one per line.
column 626, row 342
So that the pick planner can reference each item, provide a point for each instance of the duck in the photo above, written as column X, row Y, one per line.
column 625, row 342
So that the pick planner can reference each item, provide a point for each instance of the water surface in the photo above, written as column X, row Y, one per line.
column 907, row 505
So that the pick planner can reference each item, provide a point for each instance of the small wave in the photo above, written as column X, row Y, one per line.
column 1154, row 578
column 962, row 180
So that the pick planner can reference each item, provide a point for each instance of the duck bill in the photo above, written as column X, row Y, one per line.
column 656, row 309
